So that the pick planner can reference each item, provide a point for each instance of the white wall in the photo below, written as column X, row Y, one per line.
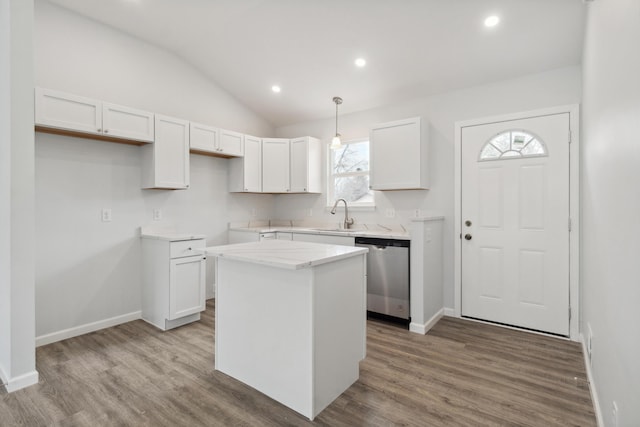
column 17, row 318
column 558, row 87
column 86, row 270
column 611, row 204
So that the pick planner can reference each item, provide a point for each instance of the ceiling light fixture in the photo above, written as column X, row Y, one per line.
column 491, row 21
column 360, row 62
column 276, row 88
column 335, row 141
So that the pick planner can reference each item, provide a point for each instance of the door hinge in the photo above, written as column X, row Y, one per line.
column 569, row 224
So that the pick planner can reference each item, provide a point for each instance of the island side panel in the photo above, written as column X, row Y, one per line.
column 263, row 330
column 339, row 305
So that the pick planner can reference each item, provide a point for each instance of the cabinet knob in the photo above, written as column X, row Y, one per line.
column 99, row 130
column 106, row 131
column 188, row 249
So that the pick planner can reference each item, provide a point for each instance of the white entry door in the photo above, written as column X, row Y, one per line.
column 515, row 222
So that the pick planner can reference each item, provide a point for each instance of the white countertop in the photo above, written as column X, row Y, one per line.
column 381, row 233
column 172, row 237
column 284, row 253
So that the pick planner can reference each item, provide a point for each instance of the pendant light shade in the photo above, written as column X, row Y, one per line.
column 336, row 143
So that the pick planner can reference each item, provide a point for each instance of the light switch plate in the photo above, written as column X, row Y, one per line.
column 106, row 215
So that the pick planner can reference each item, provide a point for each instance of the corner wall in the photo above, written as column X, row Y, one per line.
column 611, row 204
column 17, row 318
column 552, row 88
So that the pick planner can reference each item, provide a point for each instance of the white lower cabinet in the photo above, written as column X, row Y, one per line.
column 173, row 284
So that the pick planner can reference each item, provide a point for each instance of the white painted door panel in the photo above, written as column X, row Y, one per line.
column 129, row 123
column 275, row 165
column 515, row 265
column 65, row 111
column 186, row 286
column 203, row 138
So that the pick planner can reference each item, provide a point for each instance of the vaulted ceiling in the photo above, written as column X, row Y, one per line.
column 413, row 48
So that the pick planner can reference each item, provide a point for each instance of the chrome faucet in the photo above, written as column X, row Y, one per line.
column 348, row 222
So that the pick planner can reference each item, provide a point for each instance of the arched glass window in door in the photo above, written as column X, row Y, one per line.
column 513, row 144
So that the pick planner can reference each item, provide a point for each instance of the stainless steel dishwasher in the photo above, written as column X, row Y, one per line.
column 387, row 278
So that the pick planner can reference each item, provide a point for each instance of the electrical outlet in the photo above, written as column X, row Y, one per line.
column 106, row 215
column 614, row 414
column 390, row 213
column 157, row 214
column 416, row 213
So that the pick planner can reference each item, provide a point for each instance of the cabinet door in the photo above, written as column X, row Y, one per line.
column 171, row 153
column 299, row 165
column 231, row 143
column 186, row 286
column 252, row 164
column 64, row 111
column 398, row 156
column 275, row 165
column 203, row 138
column 125, row 122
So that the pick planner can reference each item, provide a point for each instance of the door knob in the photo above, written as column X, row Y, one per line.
column 467, row 236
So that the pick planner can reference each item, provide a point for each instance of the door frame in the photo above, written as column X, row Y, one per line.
column 574, row 204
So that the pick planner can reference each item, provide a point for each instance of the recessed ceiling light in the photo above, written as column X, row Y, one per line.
column 276, row 88
column 360, row 62
column 491, row 21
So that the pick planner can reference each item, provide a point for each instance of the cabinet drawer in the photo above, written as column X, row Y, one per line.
column 185, row 248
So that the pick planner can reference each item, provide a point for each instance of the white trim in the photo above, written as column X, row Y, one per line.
column 592, row 384
column 86, row 328
column 448, row 311
column 423, row 329
column 20, row 382
column 574, row 204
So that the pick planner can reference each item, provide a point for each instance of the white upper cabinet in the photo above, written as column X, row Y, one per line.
column 203, row 138
column 399, row 155
column 231, row 143
column 128, row 123
column 165, row 164
column 305, row 160
column 214, row 141
column 245, row 173
column 66, row 112
column 275, row 165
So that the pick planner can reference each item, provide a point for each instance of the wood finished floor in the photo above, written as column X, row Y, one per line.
column 460, row 374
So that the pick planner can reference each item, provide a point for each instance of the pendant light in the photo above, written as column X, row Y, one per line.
column 336, row 144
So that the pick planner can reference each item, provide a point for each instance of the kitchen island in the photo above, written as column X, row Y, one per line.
column 291, row 319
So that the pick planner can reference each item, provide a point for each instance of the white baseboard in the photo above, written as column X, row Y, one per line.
column 449, row 312
column 19, row 382
column 423, row 329
column 592, row 384
column 86, row 328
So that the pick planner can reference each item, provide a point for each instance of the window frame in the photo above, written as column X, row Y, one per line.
column 331, row 177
